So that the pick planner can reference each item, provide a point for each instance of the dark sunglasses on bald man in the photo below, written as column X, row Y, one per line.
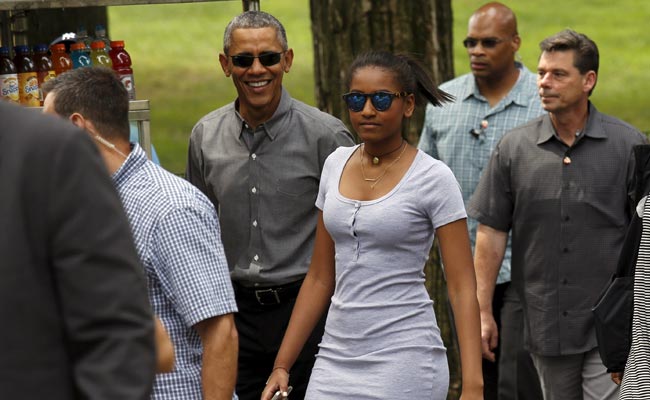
column 487, row 43
column 380, row 100
column 267, row 59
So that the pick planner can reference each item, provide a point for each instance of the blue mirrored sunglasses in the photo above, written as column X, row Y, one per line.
column 380, row 100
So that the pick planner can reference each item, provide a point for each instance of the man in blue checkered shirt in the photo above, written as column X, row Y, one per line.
column 498, row 95
column 177, row 236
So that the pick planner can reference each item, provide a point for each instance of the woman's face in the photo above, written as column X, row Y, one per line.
column 379, row 126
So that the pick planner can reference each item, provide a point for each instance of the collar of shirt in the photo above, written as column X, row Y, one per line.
column 274, row 125
column 519, row 94
column 592, row 129
column 136, row 158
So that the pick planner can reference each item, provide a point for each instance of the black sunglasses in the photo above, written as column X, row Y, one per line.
column 487, row 43
column 266, row 59
column 380, row 100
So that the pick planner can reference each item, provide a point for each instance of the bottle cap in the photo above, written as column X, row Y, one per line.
column 78, row 46
column 97, row 44
column 117, row 43
column 58, row 47
column 40, row 48
column 21, row 49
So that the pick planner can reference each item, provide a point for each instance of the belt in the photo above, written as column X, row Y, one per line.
column 268, row 296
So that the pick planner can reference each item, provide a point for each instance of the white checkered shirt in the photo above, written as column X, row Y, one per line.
column 178, row 239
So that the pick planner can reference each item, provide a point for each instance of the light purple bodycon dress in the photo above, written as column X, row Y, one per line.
column 381, row 338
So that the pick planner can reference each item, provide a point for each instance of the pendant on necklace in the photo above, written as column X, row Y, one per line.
column 375, row 160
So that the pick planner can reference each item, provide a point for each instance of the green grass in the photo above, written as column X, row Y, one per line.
column 175, row 50
column 617, row 29
column 175, row 53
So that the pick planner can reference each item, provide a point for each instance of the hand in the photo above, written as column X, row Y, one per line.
column 617, row 377
column 279, row 380
column 489, row 335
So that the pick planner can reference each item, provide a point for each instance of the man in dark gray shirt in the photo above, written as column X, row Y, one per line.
column 259, row 160
column 562, row 184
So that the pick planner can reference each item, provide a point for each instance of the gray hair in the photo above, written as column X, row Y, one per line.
column 254, row 20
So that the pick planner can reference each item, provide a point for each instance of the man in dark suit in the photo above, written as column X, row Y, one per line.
column 76, row 322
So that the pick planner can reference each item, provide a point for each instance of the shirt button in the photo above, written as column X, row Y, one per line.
column 254, row 156
column 256, row 257
column 254, row 190
column 565, row 313
column 566, row 218
column 255, row 223
column 565, row 281
column 565, row 250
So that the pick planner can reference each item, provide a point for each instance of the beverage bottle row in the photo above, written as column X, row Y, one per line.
column 22, row 77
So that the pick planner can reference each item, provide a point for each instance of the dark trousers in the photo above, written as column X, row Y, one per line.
column 513, row 376
column 261, row 329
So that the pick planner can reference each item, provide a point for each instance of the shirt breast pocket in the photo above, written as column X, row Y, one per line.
column 294, row 198
column 605, row 206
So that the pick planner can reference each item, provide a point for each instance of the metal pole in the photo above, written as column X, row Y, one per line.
column 5, row 30
column 19, row 27
column 251, row 5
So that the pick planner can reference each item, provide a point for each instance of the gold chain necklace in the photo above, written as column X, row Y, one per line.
column 376, row 180
column 376, row 159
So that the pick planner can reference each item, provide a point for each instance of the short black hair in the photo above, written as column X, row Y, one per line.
column 96, row 93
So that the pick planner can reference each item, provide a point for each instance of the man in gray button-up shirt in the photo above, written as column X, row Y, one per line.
column 259, row 160
column 561, row 183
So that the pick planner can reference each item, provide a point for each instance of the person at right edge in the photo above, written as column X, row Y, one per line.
column 259, row 159
column 498, row 95
column 635, row 376
column 562, row 184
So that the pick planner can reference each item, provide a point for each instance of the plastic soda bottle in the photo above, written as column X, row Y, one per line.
column 43, row 66
column 60, row 59
column 82, row 36
column 8, row 77
column 98, row 55
column 27, row 79
column 79, row 56
column 122, row 66
column 100, row 34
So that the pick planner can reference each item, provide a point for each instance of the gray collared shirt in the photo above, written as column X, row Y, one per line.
column 568, row 209
column 264, row 186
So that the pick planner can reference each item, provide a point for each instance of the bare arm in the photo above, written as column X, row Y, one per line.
column 220, row 349
column 490, row 248
column 164, row 348
column 461, row 285
column 313, row 299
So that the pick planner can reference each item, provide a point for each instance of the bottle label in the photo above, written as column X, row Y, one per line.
column 28, row 89
column 9, row 87
column 129, row 84
column 43, row 76
column 81, row 60
column 62, row 64
column 102, row 60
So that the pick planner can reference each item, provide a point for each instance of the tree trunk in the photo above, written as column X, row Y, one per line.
column 423, row 28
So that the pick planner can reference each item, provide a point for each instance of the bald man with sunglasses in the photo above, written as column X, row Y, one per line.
column 498, row 95
column 259, row 160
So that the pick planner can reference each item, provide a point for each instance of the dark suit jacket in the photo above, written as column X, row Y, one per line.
column 75, row 322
